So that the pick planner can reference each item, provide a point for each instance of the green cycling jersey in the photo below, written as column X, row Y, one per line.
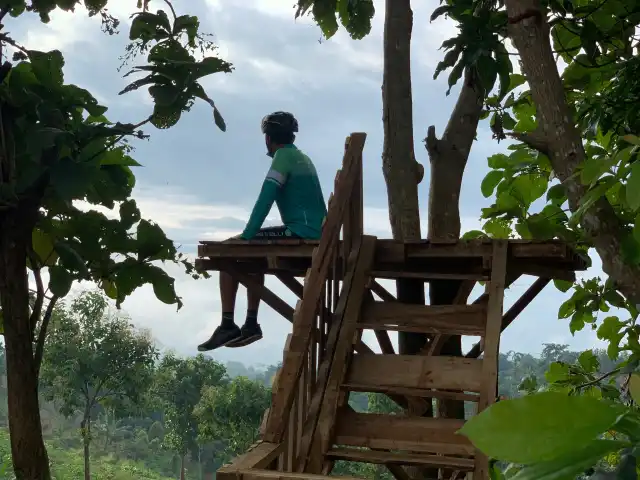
column 292, row 182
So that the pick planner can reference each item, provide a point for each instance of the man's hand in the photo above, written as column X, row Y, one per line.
column 237, row 237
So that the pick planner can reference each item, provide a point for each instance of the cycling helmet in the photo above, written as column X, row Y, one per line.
column 279, row 122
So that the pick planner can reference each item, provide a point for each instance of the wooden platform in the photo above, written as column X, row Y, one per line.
column 464, row 260
column 310, row 424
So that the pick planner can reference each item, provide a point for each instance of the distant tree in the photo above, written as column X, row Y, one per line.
column 178, row 385
column 92, row 358
column 232, row 413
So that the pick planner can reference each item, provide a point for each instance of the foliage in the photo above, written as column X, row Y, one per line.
column 179, row 384
column 67, row 150
column 94, row 358
column 232, row 412
column 354, row 15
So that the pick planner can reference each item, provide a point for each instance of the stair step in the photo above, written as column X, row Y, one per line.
column 403, row 373
column 395, row 432
column 400, row 458
column 434, row 319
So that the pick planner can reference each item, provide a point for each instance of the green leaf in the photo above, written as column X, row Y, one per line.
column 557, row 372
column 472, row 234
column 630, row 249
column 47, row 67
column 633, row 139
column 116, row 156
column 591, row 197
column 147, row 26
column 42, row 244
column 94, row 6
column 539, row 427
column 60, row 281
column 488, row 72
column 572, row 464
column 491, row 181
column 562, row 285
column 556, row 194
column 589, row 361
column 499, row 160
column 129, row 213
column 633, row 187
column 634, row 387
column 164, row 289
column 150, row 240
column 219, row 121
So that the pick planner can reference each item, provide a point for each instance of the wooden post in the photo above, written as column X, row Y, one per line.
column 495, row 292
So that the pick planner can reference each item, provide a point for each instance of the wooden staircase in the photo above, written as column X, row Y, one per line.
column 333, row 431
column 310, row 424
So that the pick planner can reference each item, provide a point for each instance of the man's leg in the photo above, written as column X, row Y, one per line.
column 251, row 331
column 228, row 331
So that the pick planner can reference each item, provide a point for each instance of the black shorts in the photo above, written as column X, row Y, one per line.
column 274, row 233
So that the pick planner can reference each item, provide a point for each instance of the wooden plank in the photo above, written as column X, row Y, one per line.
column 304, row 322
column 447, row 319
column 340, row 338
column 389, row 274
column 518, row 306
column 400, row 458
column 395, row 432
column 223, row 250
column 258, row 456
column 417, row 396
column 495, row 290
column 374, row 372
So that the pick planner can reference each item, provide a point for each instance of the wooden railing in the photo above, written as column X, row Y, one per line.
column 297, row 380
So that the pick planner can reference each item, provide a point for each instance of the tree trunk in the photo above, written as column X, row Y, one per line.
column 182, row 473
column 401, row 171
column 398, row 158
column 29, row 456
column 529, row 30
column 86, row 440
column 448, row 157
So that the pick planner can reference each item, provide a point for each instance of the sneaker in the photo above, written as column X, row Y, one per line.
column 249, row 334
column 222, row 336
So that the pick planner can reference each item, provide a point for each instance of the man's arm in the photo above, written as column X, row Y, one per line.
column 276, row 178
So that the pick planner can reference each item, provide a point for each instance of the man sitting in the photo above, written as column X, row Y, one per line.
column 292, row 182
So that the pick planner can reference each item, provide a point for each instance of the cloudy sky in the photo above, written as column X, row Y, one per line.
column 199, row 183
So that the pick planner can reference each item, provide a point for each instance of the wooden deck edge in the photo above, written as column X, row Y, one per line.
column 259, row 474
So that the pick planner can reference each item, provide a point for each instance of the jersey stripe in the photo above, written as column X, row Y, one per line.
column 276, row 177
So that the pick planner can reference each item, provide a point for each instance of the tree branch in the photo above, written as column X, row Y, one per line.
column 42, row 334
column 535, row 140
column 37, row 275
column 601, row 224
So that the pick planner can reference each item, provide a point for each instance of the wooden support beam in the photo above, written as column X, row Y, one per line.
column 495, row 290
column 266, row 295
column 291, row 283
column 380, row 291
column 518, row 306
